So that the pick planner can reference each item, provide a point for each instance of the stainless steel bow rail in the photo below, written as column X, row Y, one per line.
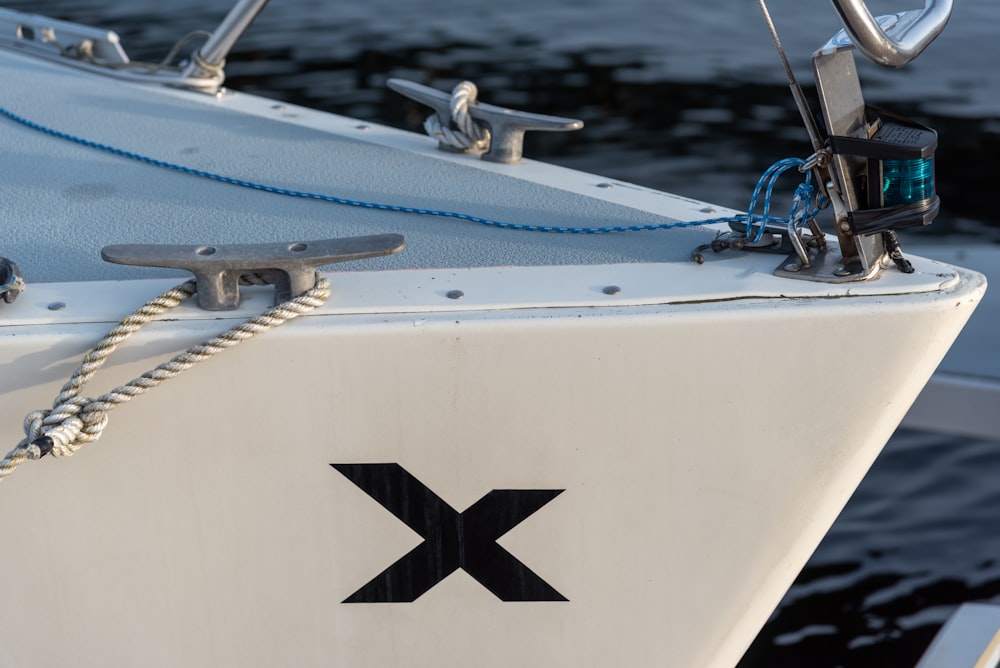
column 897, row 43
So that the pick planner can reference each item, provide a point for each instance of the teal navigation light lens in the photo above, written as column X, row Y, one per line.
column 907, row 181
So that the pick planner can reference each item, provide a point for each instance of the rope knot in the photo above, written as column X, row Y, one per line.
column 63, row 429
column 460, row 131
column 804, row 191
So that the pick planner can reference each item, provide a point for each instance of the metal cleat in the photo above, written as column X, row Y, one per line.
column 506, row 126
column 291, row 267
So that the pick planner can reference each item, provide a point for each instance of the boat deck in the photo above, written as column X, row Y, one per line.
column 105, row 198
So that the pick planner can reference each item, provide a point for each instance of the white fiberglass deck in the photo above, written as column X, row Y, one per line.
column 85, row 198
column 103, row 198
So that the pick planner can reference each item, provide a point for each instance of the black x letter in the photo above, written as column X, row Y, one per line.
column 452, row 540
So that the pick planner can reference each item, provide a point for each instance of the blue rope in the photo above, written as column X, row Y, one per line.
column 770, row 177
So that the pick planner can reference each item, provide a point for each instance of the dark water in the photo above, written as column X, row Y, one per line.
column 689, row 98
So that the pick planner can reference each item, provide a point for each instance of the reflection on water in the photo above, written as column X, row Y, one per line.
column 689, row 98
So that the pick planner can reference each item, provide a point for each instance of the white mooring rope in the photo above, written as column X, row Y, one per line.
column 459, row 131
column 75, row 420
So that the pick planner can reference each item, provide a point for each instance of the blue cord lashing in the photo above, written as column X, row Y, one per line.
column 803, row 194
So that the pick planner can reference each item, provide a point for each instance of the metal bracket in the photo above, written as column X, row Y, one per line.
column 94, row 50
column 507, row 126
column 55, row 39
column 217, row 269
column 825, row 266
column 843, row 108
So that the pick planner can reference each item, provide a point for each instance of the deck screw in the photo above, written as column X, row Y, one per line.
column 611, row 290
column 454, row 294
column 793, row 266
column 57, row 306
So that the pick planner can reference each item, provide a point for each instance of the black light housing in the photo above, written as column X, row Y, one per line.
column 900, row 175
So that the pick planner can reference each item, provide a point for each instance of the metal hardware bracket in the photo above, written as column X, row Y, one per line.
column 843, row 107
column 52, row 38
column 507, row 126
column 825, row 266
column 89, row 49
column 100, row 51
column 217, row 269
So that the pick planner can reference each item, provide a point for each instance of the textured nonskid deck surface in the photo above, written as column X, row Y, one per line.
column 104, row 198
column 64, row 201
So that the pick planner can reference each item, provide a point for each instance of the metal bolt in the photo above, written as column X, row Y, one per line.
column 842, row 271
column 454, row 294
column 611, row 290
column 793, row 266
column 57, row 306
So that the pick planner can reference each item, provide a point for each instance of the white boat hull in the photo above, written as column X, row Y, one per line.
column 208, row 526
